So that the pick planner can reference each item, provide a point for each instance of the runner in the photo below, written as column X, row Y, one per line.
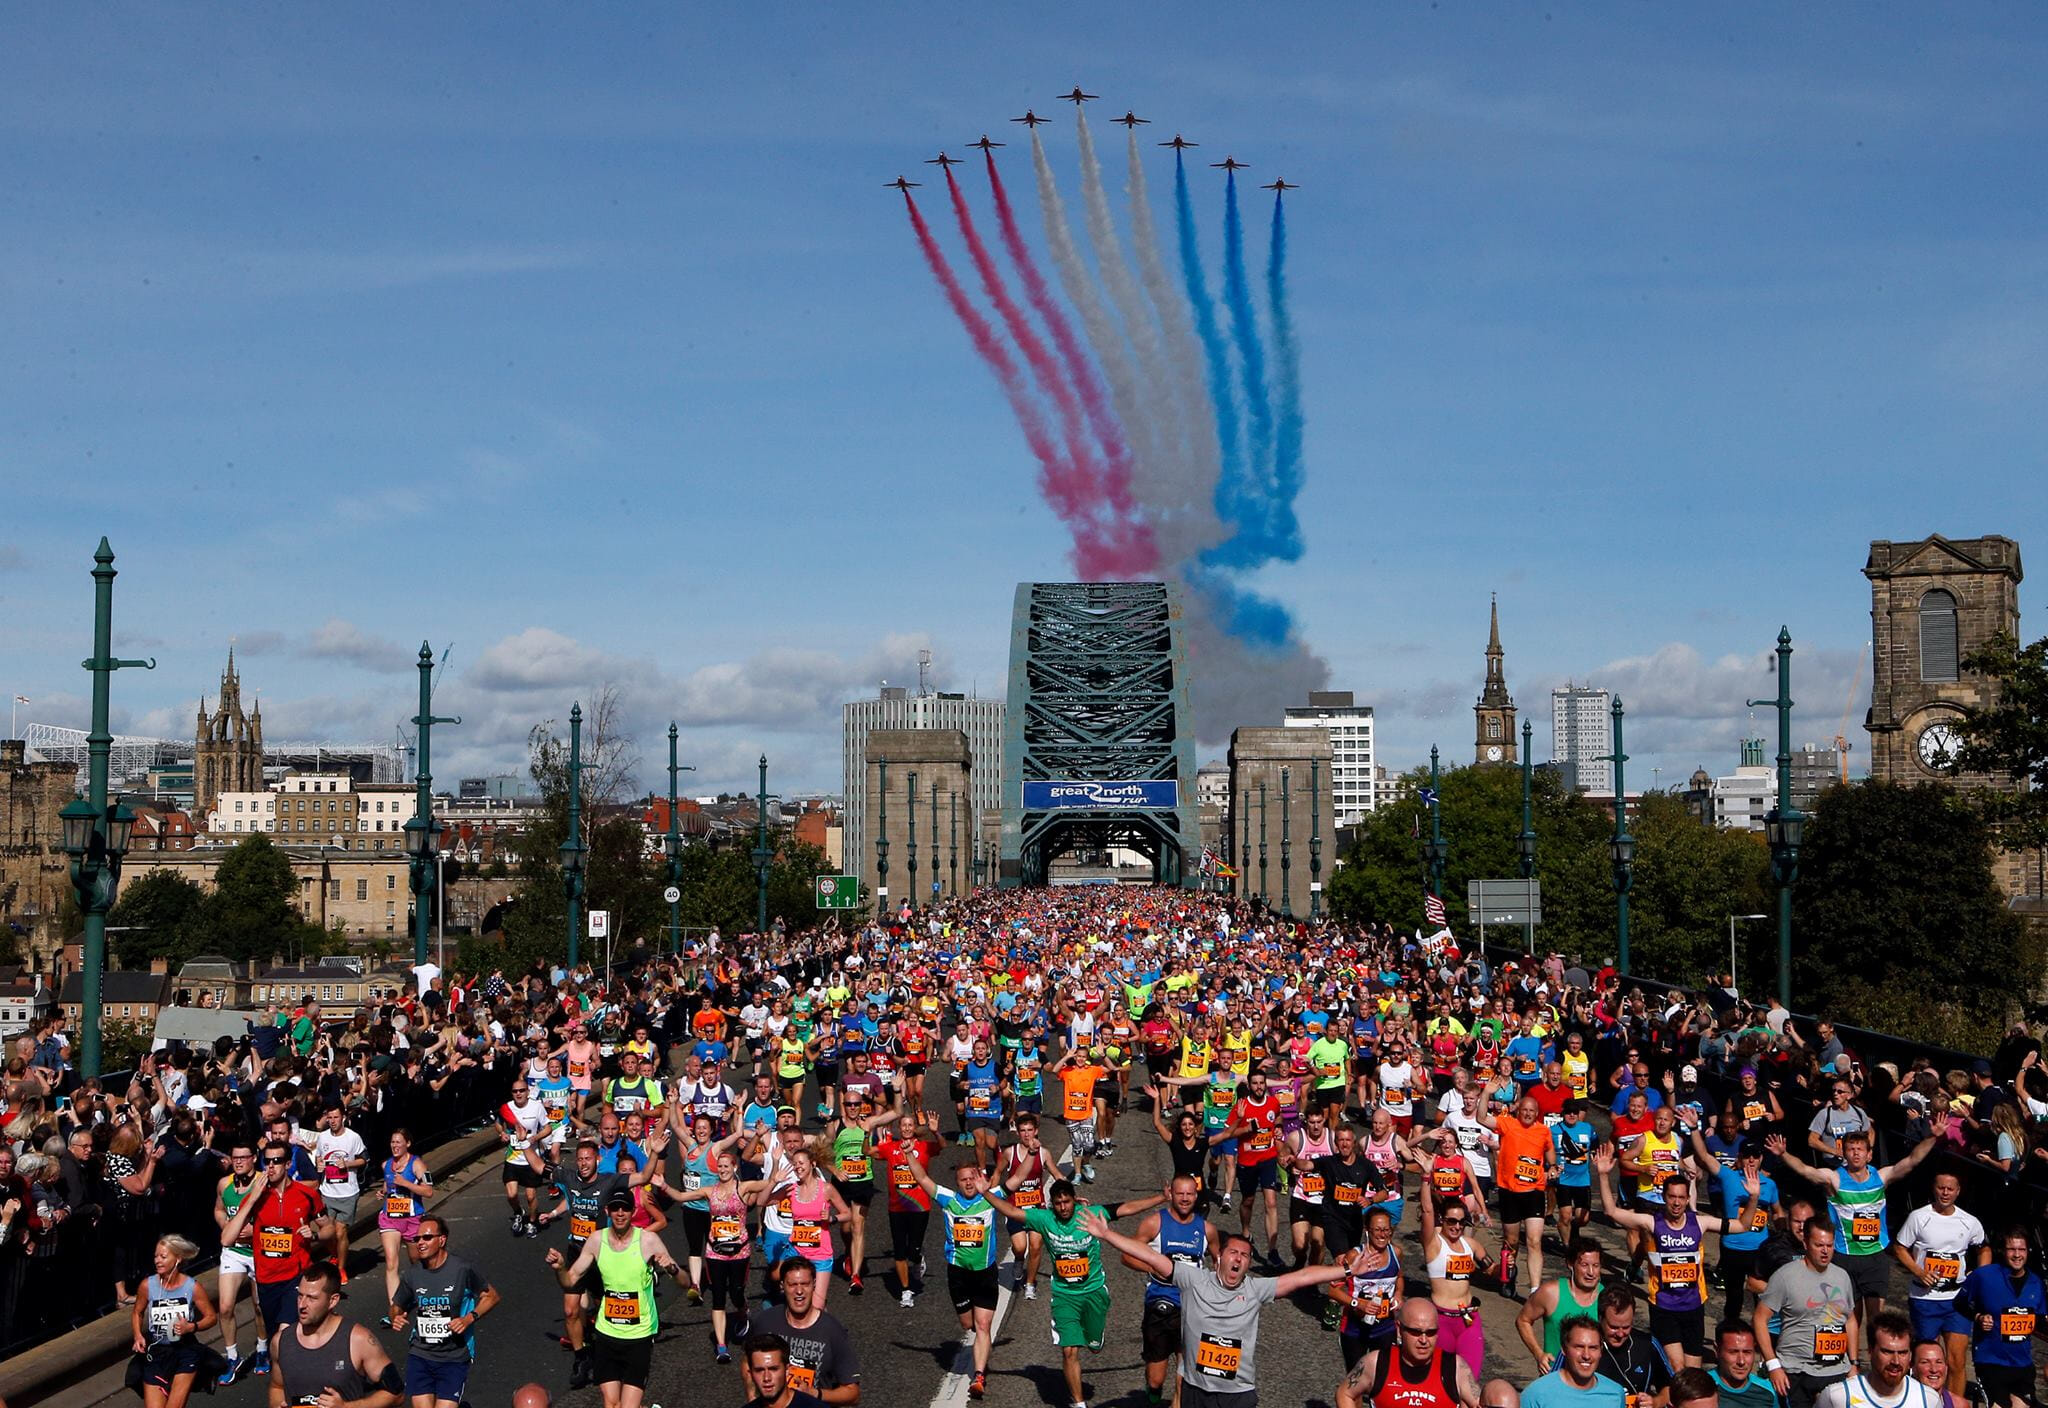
column 1454, row 1256
column 1576, row 1381
column 1678, row 1263
column 1023, row 1175
column 727, row 1242
column 1080, row 1294
column 1812, row 1304
column 1078, row 1073
column 910, row 1208
column 277, row 1216
column 338, row 1153
column 2005, row 1305
column 767, row 1369
column 170, row 1310
column 1574, row 1295
column 1938, row 1245
column 440, row 1298
column 406, row 1188
column 822, row 1359
column 237, row 1265
column 1255, row 1125
column 585, row 1195
column 1219, row 1312
column 1306, row 1190
column 1414, row 1371
column 853, row 1172
column 1572, row 1138
column 522, row 1122
column 971, row 1258
column 1528, row 1164
column 1743, row 1233
column 623, row 1259
column 322, row 1357
column 1735, row 1369
column 1182, row 1234
column 1628, row 1356
column 1370, row 1292
column 1890, row 1382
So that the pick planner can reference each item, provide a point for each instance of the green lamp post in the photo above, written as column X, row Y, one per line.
column 1315, row 839
column 762, row 855
column 672, row 845
column 1265, row 895
column 1286, row 848
column 1436, row 852
column 1785, row 825
column 1525, row 844
column 882, row 843
column 422, row 832
column 1622, row 849
column 910, row 803
column 96, row 833
column 573, row 850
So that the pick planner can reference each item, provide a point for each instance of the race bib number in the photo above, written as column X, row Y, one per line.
column 977, row 1101
column 1759, row 1220
column 806, row 1234
column 1262, row 1139
column 335, row 1173
column 1397, row 1098
column 581, row 1227
column 1219, row 1357
column 803, row 1377
column 1071, row 1269
column 1946, row 1270
column 398, row 1205
column 1447, row 1180
column 163, row 1315
column 276, row 1242
column 1329, row 1074
column 1458, row 1268
column 854, row 1170
column 2016, row 1325
column 728, row 1233
column 1678, row 1273
column 970, row 1234
column 1347, row 1195
column 621, row 1309
column 902, row 1177
column 1754, row 1110
column 1310, row 1186
column 433, row 1329
column 1830, row 1346
column 1527, row 1169
column 1028, row 1198
column 1863, row 1227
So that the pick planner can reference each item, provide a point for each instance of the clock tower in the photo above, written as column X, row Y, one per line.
column 1494, row 735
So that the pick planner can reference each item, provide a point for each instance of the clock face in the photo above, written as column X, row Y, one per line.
column 1493, row 754
column 1938, row 745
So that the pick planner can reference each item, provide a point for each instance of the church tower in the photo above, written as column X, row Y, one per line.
column 1494, row 735
column 227, row 751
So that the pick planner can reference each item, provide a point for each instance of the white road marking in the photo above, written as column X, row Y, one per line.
column 953, row 1388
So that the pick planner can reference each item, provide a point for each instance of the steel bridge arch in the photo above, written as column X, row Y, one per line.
column 1098, row 693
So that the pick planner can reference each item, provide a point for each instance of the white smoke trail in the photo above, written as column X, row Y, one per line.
column 1132, row 407
column 1196, row 504
column 1160, row 484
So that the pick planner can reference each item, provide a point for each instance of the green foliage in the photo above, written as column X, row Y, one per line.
column 1688, row 879
column 123, row 1043
column 2009, row 740
column 252, row 912
column 158, row 915
column 1898, row 921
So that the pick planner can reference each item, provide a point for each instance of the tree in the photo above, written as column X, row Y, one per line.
column 2009, row 739
column 158, row 915
column 252, row 912
column 1898, row 921
column 1688, row 879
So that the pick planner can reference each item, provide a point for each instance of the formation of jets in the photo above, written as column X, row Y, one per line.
column 1130, row 120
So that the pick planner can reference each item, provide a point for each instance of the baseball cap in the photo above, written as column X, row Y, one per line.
column 1690, row 1073
column 620, row 1198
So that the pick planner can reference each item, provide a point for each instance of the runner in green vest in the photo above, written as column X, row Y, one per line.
column 1080, row 1295
column 625, row 1259
column 1577, row 1292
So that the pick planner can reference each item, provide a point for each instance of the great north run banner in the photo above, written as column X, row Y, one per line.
column 1054, row 796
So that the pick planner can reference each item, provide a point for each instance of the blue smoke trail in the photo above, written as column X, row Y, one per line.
column 1254, row 544
column 1283, row 528
column 1230, row 486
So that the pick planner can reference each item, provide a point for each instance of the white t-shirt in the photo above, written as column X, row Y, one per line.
column 1927, row 1233
column 336, row 1181
column 1856, row 1391
column 424, row 974
column 528, row 1122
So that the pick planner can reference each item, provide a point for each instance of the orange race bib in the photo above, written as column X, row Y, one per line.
column 1458, row 1268
column 1830, row 1346
column 1754, row 1110
column 398, row 1205
column 728, row 1231
column 803, row 1377
column 1347, row 1194
column 1397, row 1098
column 902, row 1177
column 2016, row 1325
column 1678, row 1273
column 581, row 1227
column 1447, row 1180
column 1863, row 1227
column 1311, row 1185
column 1028, row 1198
column 1947, row 1270
column 1262, row 1139
column 854, row 1170
column 1079, row 1104
column 276, row 1241
column 970, row 1234
column 1527, row 1169
column 806, row 1234
column 978, row 1101
column 1219, row 1357
column 1071, row 1269
column 1759, row 1220
column 621, row 1309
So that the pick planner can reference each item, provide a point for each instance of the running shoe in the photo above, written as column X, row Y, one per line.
column 259, row 1362
column 853, row 1283
column 1031, row 1290
column 978, row 1386
column 518, row 1225
column 724, row 1355
column 907, row 1299
column 236, row 1368
column 696, row 1297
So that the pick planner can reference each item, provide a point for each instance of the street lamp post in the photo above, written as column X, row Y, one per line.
column 1264, row 893
column 573, row 848
column 953, row 843
column 422, row 832
column 1525, row 844
column 882, row 843
column 96, row 833
column 1622, row 849
column 1435, row 852
column 1242, row 887
column 762, row 855
column 1315, row 839
column 1785, row 825
column 934, row 814
column 673, row 845
column 910, row 801
column 1286, row 850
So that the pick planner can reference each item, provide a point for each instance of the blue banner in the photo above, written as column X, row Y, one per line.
column 1101, row 796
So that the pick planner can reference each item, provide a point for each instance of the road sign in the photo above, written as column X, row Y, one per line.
column 600, row 923
column 671, row 895
column 839, row 892
column 1514, row 901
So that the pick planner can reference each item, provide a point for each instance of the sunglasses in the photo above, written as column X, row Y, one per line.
column 1412, row 1330
column 277, row 1163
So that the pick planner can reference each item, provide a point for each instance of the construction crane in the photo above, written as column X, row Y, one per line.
column 1842, row 728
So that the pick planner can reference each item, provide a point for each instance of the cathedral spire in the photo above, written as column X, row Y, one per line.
column 1495, row 709
column 1493, row 634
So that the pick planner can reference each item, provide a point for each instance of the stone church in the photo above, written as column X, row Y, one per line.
column 227, row 754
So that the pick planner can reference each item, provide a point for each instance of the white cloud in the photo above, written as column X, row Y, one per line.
column 350, row 644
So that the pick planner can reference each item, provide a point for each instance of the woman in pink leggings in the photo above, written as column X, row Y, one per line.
column 1455, row 1255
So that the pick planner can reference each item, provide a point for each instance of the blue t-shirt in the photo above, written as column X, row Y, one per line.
column 1553, row 1390
column 1620, row 1105
column 1733, row 1196
column 1574, row 1144
column 1989, row 1291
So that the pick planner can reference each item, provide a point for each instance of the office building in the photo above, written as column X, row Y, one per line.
column 1581, row 734
column 896, row 707
column 1349, row 725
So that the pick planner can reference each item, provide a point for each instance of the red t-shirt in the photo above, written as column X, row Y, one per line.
column 1628, row 1134
column 906, row 1194
column 1549, row 1101
column 1263, row 1142
column 274, row 1232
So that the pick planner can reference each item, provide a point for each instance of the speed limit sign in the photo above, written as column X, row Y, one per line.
column 672, row 895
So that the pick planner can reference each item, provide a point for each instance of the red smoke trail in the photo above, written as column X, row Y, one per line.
column 1071, row 486
column 1095, row 557
column 1094, row 398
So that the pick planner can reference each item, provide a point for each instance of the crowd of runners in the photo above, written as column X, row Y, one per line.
column 1357, row 1126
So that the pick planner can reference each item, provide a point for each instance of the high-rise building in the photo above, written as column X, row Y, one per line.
column 1581, row 731
column 897, row 707
column 1349, row 725
column 1745, row 797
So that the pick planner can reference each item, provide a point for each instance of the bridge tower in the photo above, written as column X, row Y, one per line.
column 1098, row 696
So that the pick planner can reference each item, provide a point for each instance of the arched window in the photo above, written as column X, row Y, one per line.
column 1938, row 636
column 1492, row 727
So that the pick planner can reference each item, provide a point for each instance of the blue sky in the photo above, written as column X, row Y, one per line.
column 587, row 339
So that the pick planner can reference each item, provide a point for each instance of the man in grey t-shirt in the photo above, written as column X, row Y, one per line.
column 1814, row 1303
column 1219, row 1319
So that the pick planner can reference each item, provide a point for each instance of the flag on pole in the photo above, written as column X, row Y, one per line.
column 1433, row 909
